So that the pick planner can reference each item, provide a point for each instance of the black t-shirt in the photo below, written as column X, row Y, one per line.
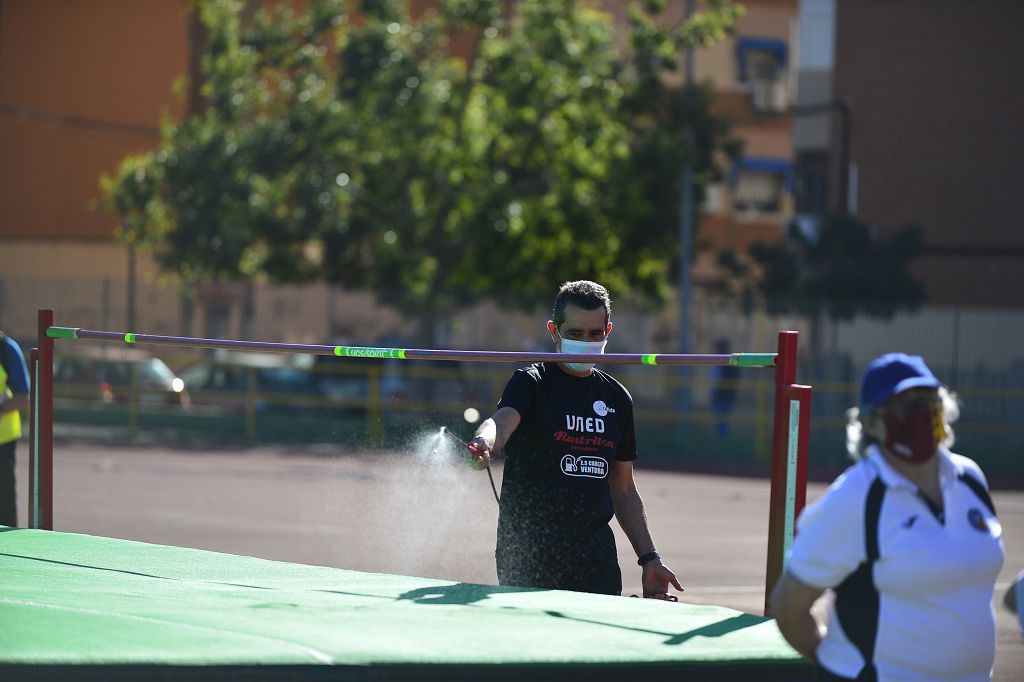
column 555, row 494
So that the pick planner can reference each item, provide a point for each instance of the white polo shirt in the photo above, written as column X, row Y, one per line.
column 934, row 576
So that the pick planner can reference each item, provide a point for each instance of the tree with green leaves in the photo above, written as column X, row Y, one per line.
column 844, row 269
column 351, row 144
column 847, row 268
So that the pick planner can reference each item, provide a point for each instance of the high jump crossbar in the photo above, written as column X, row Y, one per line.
column 734, row 359
column 790, row 437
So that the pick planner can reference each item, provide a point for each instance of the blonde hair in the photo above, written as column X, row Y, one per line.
column 858, row 440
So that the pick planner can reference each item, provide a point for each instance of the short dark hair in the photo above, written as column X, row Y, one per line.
column 583, row 293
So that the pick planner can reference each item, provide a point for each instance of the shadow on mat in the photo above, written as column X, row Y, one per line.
column 468, row 593
column 719, row 629
column 460, row 593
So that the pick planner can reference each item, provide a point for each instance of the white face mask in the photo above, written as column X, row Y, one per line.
column 571, row 347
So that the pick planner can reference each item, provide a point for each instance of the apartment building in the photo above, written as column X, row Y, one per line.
column 928, row 133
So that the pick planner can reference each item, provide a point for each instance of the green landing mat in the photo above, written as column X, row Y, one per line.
column 106, row 604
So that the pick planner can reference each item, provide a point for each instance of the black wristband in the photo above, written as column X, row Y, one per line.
column 647, row 558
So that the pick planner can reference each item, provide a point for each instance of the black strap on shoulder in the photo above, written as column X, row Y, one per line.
column 980, row 490
column 857, row 599
column 872, row 512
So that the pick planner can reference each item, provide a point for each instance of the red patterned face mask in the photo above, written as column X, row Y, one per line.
column 915, row 431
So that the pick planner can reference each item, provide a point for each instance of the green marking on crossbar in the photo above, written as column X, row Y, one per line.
column 130, row 338
column 752, row 360
column 649, row 359
column 362, row 352
column 62, row 332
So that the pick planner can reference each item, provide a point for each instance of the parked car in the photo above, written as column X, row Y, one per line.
column 279, row 384
column 111, row 375
column 402, row 386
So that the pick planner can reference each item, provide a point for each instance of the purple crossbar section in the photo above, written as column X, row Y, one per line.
column 414, row 353
column 208, row 343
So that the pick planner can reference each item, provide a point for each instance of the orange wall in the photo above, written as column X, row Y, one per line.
column 115, row 61
column 107, row 60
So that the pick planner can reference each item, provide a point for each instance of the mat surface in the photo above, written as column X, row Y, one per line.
column 85, row 600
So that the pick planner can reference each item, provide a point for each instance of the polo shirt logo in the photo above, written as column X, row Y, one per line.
column 909, row 523
column 977, row 520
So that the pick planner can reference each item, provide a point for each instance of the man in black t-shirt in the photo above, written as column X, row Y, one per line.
column 567, row 430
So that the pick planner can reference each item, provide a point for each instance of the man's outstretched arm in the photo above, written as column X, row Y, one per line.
column 494, row 432
column 630, row 513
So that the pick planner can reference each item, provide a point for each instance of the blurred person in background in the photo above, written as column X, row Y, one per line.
column 908, row 540
column 723, row 389
column 568, row 432
column 13, row 399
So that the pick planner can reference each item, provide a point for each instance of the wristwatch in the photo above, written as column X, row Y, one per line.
column 647, row 558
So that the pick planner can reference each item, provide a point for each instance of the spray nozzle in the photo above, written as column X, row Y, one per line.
column 475, row 460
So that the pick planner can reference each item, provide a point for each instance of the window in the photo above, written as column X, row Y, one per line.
column 762, row 67
column 759, row 185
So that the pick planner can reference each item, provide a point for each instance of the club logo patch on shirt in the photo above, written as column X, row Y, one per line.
column 977, row 520
column 585, row 465
column 602, row 409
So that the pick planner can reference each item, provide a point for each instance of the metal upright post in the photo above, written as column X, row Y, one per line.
column 686, row 216
column 44, row 421
column 33, row 439
column 250, row 405
column 790, row 454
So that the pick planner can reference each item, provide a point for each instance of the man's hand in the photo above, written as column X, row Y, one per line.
column 656, row 580
column 480, row 450
column 492, row 434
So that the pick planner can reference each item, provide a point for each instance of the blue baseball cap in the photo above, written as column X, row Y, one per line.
column 891, row 374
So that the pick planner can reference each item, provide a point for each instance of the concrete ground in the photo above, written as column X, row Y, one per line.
column 423, row 514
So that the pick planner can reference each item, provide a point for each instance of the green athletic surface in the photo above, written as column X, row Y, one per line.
column 68, row 599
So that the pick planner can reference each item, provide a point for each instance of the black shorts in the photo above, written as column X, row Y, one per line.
column 565, row 568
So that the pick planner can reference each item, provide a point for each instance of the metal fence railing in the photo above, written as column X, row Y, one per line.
column 975, row 351
column 376, row 403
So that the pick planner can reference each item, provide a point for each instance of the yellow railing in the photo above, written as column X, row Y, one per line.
column 655, row 400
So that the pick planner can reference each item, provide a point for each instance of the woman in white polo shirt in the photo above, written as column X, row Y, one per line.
column 908, row 540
